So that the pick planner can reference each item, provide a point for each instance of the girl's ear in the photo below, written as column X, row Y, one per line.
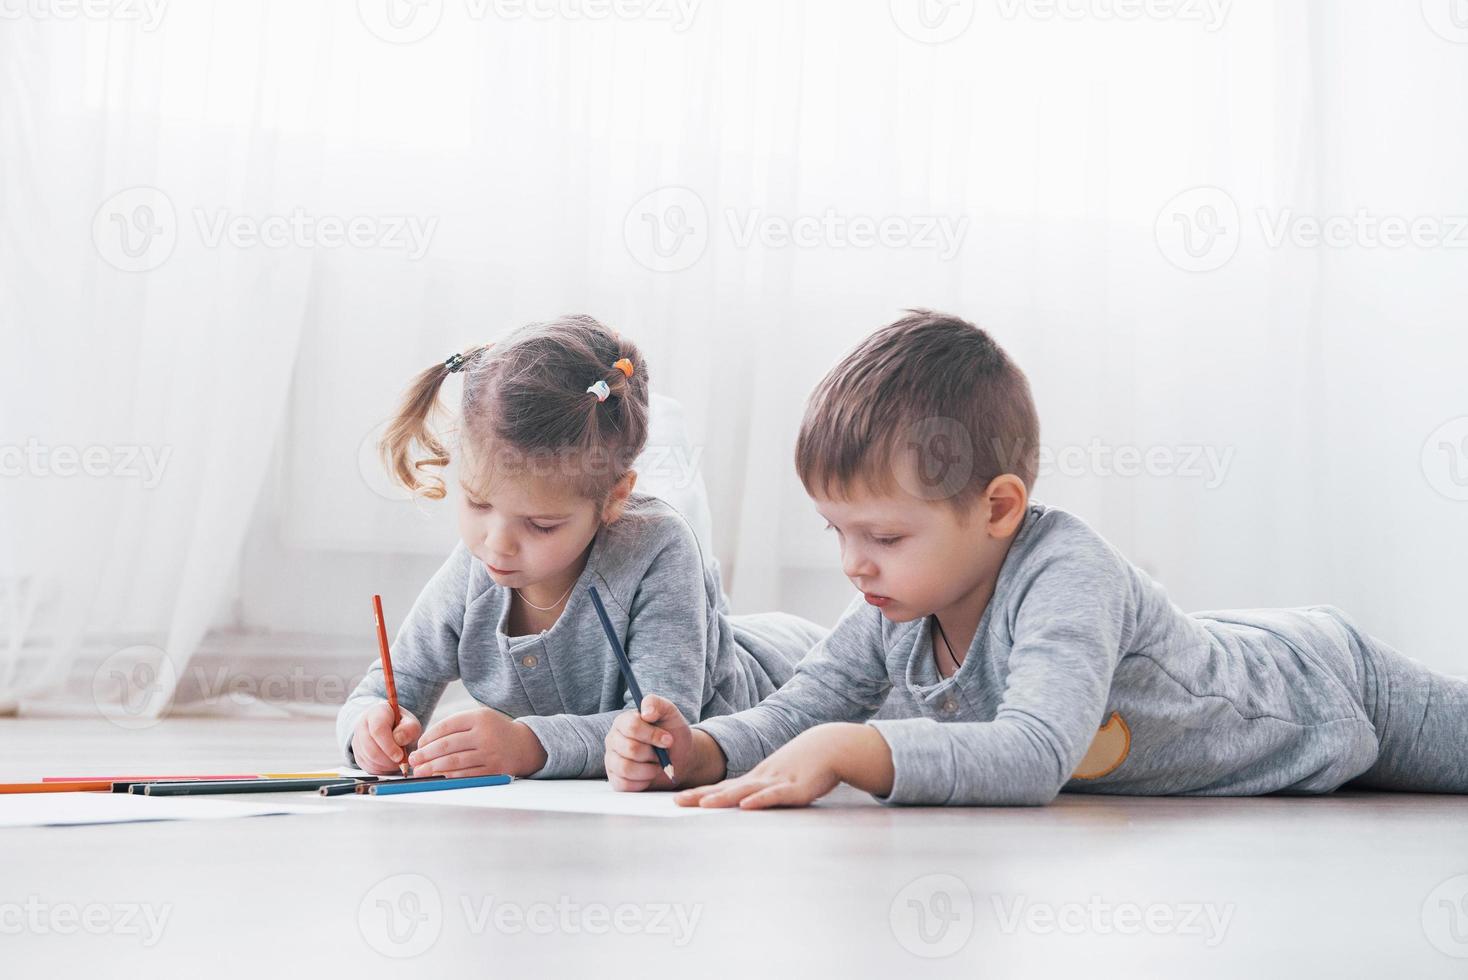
column 616, row 503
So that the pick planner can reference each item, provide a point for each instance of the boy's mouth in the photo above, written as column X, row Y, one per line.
column 877, row 600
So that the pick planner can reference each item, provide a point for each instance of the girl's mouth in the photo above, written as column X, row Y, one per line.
column 877, row 600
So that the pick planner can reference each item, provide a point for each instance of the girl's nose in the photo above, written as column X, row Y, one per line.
column 499, row 541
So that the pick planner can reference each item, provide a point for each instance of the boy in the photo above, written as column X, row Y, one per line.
column 1017, row 652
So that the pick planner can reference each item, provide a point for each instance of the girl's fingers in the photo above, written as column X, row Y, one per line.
column 454, row 742
column 445, row 765
column 453, row 723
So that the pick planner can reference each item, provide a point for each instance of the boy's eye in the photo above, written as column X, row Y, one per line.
column 885, row 542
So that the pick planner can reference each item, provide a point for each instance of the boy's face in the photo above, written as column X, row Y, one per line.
column 909, row 557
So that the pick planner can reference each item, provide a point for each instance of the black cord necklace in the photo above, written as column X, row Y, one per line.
column 946, row 645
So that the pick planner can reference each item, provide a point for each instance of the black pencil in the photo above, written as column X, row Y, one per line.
column 627, row 675
column 219, row 786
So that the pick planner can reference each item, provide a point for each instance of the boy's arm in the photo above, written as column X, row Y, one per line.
column 842, row 679
column 425, row 654
column 1068, row 633
column 667, row 643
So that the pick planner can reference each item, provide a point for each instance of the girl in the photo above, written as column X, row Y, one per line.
column 552, row 420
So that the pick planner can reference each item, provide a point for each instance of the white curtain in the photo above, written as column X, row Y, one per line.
column 746, row 188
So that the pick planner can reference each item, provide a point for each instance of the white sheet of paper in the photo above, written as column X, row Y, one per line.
column 557, row 795
column 71, row 809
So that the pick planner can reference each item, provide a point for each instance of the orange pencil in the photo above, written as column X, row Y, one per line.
column 392, row 689
column 75, row 786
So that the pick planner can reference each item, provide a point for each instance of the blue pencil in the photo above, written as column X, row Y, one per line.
column 434, row 785
column 627, row 675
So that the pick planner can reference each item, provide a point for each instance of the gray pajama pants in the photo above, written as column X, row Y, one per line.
column 1421, row 720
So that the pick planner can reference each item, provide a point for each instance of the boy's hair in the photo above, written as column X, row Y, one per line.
column 929, row 403
column 526, row 406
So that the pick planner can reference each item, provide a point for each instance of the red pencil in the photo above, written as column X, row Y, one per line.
column 392, row 689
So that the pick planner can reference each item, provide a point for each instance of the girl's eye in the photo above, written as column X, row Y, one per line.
column 544, row 528
column 886, row 542
column 476, row 505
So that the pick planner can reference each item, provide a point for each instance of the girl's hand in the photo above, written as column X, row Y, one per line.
column 803, row 770
column 631, row 763
column 480, row 742
column 376, row 745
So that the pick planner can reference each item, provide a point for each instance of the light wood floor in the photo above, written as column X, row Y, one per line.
column 1351, row 885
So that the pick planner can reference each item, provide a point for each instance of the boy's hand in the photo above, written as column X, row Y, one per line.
column 480, row 742
column 805, row 769
column 376, row 745
column 631, row 763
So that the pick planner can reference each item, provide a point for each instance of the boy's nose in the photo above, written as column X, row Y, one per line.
column 856, row 567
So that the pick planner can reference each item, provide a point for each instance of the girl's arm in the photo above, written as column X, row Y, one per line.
column 425, row 655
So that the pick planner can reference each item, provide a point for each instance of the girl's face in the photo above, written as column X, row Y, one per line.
column 527, row 529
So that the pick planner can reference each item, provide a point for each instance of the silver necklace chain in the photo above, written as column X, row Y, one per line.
column 548, row 608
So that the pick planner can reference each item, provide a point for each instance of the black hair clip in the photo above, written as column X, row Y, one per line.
column 455, row 363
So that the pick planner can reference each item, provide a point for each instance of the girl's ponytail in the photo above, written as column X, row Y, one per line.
column 411, row 427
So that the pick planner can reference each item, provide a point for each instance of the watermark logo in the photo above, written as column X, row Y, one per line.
column 932, row 21
column 136, row 229
column 1448, row 19
column 401, row 916
column 1198, row 230
column 1445, row 917
column 147, row 14
column 941, row 233
column 400, row 21
column 667, row 230
column 935, row 459
column 1099, row 917
column 933, row 916
column 1445, row 458
column 1209, row 13
column 142, row 920
column 134, row 686
column 145, row 464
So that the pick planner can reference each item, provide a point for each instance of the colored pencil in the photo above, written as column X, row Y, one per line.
column 366, row 781
column 210, row 787
column 75, row 786
column 181, row 778
column 394, row 787
column 392, row 689
column 627, row 675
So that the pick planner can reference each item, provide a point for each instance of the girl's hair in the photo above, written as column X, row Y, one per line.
column 526, row 407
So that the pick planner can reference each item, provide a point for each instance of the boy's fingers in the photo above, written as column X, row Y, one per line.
column 640, row 731
column 694, row 796
column 656, row 709
column 730, row 793
column 629, row 748
column 780, row 794
column 641, row 772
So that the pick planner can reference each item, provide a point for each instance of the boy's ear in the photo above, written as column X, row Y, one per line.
column 616, row 503
column 1007, row 500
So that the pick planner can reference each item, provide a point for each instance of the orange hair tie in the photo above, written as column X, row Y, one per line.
column 624, row 365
